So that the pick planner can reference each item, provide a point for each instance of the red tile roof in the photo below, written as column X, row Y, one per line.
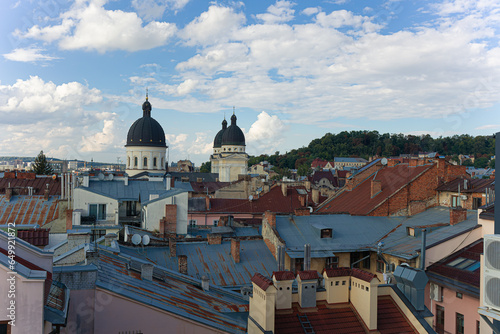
column 272, row 200
column 38, row 184
column 473, row 185
column 363, row 275
column 201, row 187
column 24, row 210
column 261, row 281
column 342, row 173
column 337, row 272
column 36, row 237
column 390, row 320
column 318, row 175
column 320, row 163
column 283, row 275
column 358, row 201
column 308, row 274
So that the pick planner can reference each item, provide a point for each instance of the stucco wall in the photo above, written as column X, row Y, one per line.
column 155, row 211
column 82, row 199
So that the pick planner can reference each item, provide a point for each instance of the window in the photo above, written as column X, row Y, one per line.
column 192, row 222
column 459, row 323
column 98, row 211
column 343, row 282
column 216, row 222
column 145, row 165
column 128, row 161
column 131, row 208
column 476, row 203
column 332, row 262
column 478, row 328
column 455, row 201
column 326, row 233
column 367, row 261
column 380, row 266
column 459, row 295
column 136, row 161
column 354, row 258
column 439, row 319
column 336, row 283
column 154, row 162
column 5, row 327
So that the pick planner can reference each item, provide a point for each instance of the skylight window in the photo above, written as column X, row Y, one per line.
column 465, row 264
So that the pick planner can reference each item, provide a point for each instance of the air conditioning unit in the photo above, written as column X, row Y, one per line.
column 436, row 292
column 491, row 277
column 463, row 197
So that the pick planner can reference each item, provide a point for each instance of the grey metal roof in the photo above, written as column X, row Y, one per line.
column 358, row 233
column 135, row 190
column 214, row 261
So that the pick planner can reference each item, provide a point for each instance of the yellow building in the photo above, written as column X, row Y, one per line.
column 229, row 158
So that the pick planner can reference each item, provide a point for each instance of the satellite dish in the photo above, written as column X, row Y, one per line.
column 136, row 239
column 250, row 198
column 110, row 177
column 384, row 161
column 145, row 240
column 100, row 176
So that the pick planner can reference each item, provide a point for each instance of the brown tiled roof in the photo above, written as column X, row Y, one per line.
column 472, row 278
column 363, row 275
column 308, row 274
column 390, row 320
column 318, row 175
column 272, row 200
column 25, row 210
column 38, row 184
column 473, row 185
column 342, row 173
column 337, row 272
column 201, row 187
column 320, row 163
column 262, row 281
column 36, row 237
column 283, row 275
column 358, row 201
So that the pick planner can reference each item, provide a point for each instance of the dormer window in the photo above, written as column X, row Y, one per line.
column 326, row 233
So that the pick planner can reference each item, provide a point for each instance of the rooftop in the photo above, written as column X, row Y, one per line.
column 28, row 211
column 468, row 185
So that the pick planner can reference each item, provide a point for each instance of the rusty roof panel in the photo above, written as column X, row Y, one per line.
column 28, row 210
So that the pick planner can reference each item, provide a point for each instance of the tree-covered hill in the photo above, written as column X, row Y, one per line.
column 366, row 144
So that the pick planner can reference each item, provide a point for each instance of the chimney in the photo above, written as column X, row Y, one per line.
column 214, row 239
column 283, row 281
column 284, row 189
column 364, row 296
column 171, row 218
column 8, row 193
column 199, row 179
column 223, row 221
column 337, row 285
column 46, row 193
column 413, row 162
column 376, row 187
column 457, row 215
column 91, row 257
column 147, row 271
column 172, row 245
column 302, row 200
column 69, row 219
column 270, row 217
column 391, row 162
column 315, row 195
column 205, row 283
column 307, row 184
column 168, row 182
column 307, row 282
column 109, row 238
column 302, row 212
column 207, row 203
column 235, row 250
column 125, row 181
column 183, row 264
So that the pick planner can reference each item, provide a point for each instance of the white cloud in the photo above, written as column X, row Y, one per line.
column 488, row 127
column 278, row 13
column 154, row 9
column 311, row 11
column 215, row 25
column 89, row 26
column 31, row 54
column 266, row 134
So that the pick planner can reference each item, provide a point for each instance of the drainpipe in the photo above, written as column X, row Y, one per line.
column 422, row 252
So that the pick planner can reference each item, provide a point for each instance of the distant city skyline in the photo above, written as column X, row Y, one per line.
column 73, row 75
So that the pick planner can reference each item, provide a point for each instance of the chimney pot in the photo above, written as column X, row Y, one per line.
column 235, row 250
column 183, row 268
column 147, row 271
column 457, row 215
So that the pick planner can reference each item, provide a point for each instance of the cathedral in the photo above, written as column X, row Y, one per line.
column 146, row 148
column 229, row 158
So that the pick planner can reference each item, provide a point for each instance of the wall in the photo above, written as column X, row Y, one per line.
column 365, row 302
column 337, row 289
column 82, row 199
column 208, row 219
column 149, row 152
column 467, row 306
column 262, row 308
column 29, row 302
column 272, row 239
column 155, row 211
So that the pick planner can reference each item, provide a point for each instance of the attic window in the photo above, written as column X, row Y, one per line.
column 326, row 233
column 410, row 231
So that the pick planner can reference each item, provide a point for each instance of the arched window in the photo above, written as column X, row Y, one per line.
column 154, row 162
column 145, row 162
column 136, row 161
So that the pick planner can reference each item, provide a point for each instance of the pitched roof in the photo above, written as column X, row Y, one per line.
column 363, row 275
column 175, row 293
column 319, row 175
column 320, row 163
column 39, row 184
column 308, row 274
column 284, row 275
column 211, row 187
column 461, row 270
column 358, row 201
column 28, row 210
column 473, row 185
column 261, row 281
column 337, row 272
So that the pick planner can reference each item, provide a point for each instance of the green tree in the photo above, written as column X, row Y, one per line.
column 206, row 167
column 304, row 170
column 492, row 163
column 481, row 162
column 41, row 166
column 468, row 163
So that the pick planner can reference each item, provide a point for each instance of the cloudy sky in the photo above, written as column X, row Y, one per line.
column 73, row 74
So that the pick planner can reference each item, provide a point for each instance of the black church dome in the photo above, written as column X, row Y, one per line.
column 218, row 136
column 146, row 131
column 233, row 134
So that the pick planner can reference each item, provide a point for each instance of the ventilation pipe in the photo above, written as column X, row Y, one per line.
column 307, row 257
column 281, row 258
column 422, row 252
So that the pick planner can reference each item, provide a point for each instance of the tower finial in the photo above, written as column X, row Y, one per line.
column 233, row 110
column 147, row 94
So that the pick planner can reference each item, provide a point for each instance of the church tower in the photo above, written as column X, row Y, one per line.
column 229, row 158
column 146, row 147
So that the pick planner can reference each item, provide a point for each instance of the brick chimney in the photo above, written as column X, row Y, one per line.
column 171, row 218
column 270, row 217
column 307, row 184
column 302, row 200
column 214, row 239
column 376, row 187
column 413, row 162
column 457, row 215
column 223, row 221
column 183, row 264
column 315, row 195
column 391, row 162
column 172, row 245
column 207, row 203
column 235, row 250
column 8, row 193
column 147, row 271
column 302, row 212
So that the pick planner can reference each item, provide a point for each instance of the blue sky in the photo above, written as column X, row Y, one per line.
column 73, row 74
